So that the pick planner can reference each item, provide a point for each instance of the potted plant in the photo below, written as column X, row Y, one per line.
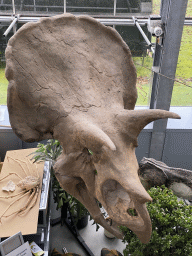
column 50, row 152
column 171, row 227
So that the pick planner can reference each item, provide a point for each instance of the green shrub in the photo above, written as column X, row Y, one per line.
column 171, row 225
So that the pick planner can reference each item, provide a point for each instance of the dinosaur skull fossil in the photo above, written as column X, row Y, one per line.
column 73, row 79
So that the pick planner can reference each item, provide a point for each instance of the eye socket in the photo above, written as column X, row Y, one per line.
column 132, row 212
column 88, row 151
column 95, row 156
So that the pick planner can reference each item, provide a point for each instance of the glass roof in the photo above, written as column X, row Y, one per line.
column 91, row 7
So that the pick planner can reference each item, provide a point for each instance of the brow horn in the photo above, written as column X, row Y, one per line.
column 136, row 120
column 83, row 134
column 93, row 137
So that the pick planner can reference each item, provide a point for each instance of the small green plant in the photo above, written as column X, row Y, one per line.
column 50, row 152
column 171, row 225
column 47, row 152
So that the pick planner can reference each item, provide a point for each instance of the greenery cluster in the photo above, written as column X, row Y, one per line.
column 50, row 152
column 47, row 152
column 171, row 227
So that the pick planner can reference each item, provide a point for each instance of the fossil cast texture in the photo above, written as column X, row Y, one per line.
column 73, row 79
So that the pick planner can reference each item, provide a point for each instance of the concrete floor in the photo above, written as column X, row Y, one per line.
column 60, row 236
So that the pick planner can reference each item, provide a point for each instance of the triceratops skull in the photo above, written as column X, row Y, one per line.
column 73, row 79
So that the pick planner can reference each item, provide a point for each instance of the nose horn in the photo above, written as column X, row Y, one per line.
column 135, row 189
column 145, row 235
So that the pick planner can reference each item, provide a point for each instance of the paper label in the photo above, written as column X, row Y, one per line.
column 23, row 250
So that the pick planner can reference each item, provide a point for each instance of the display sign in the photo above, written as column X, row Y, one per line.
column 23, row 250
column 11, row 243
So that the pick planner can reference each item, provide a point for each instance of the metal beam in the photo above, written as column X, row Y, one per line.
column 107, row 21
column 12, row 25
column 166, row 57
column 143, row 33
column 13, row 5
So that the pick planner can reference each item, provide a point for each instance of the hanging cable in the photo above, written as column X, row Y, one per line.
column 164, row 75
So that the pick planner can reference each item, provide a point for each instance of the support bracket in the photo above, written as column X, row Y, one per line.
column 12, row 25
column 136, row 23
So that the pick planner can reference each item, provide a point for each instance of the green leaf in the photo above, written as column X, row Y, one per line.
column 90, row 152
column 60, row 204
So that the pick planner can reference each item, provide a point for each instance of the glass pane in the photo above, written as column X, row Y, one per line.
column 72, row 6
column 39, row 6
column 189, row 9
column 6, row 6
column 3, row 80
column 142, row 60
column 156, row 6
column 90, row 6
column 182, row 92
column 135, row 7
column 144, row 79
column 134, row 39
column 123, row 7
